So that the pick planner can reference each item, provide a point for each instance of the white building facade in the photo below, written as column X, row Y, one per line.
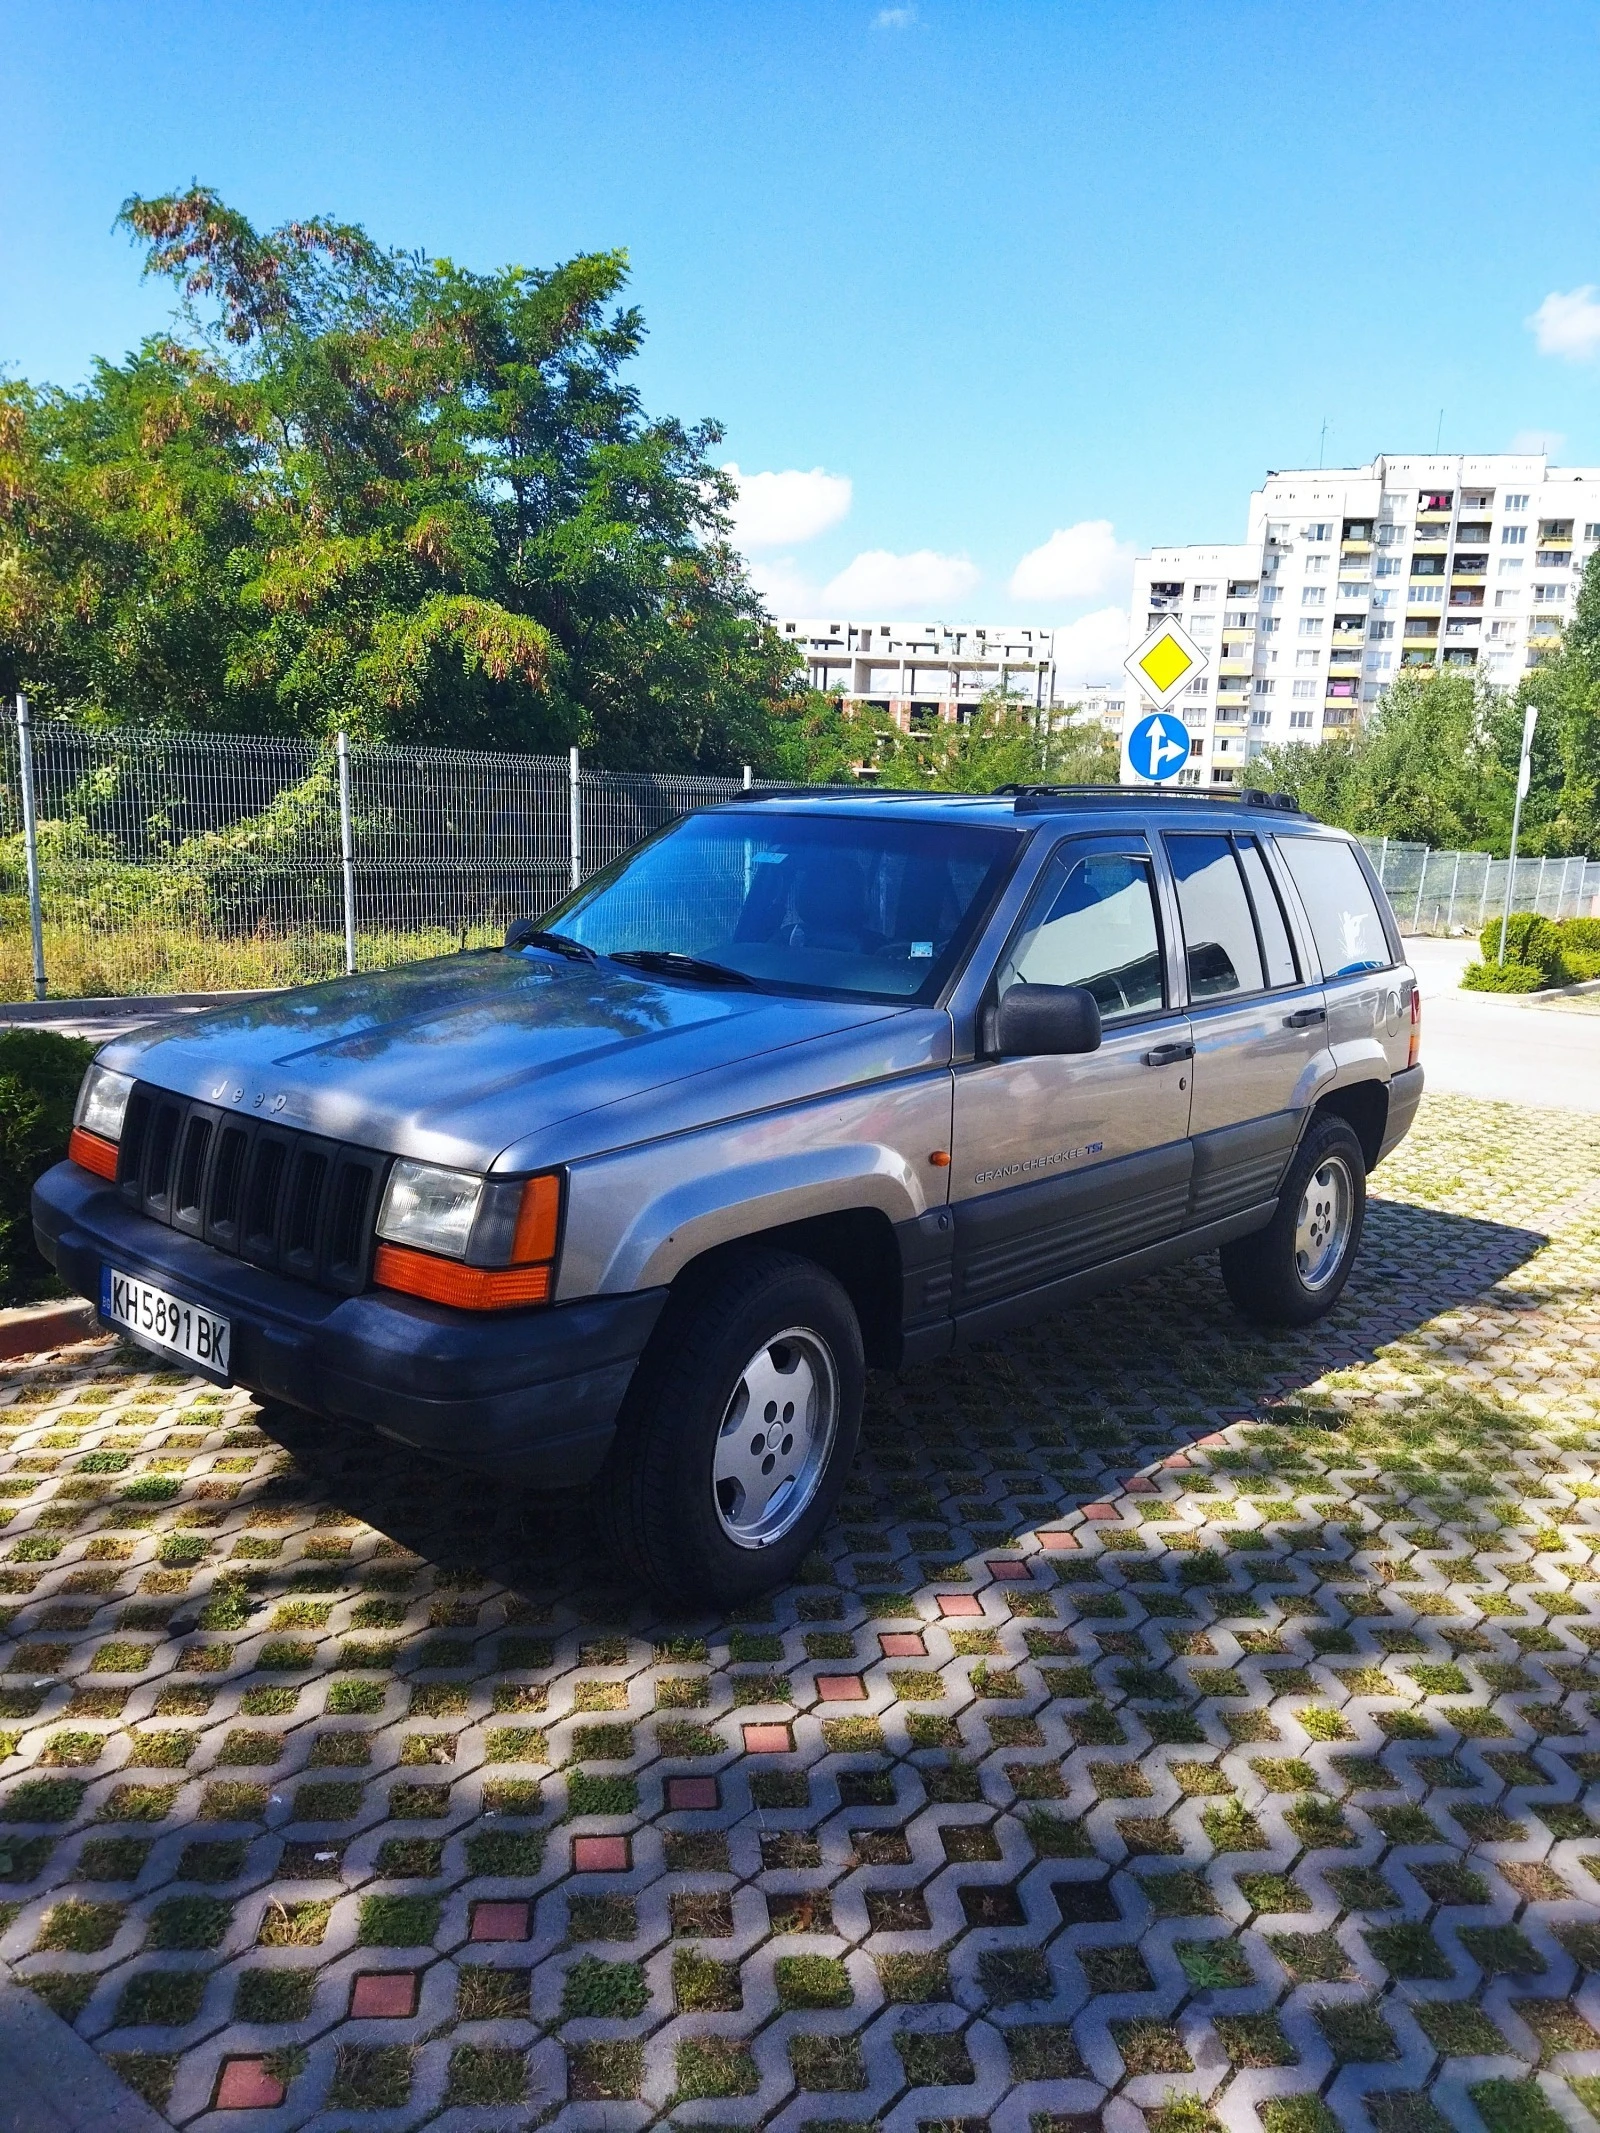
column 916, row 673
column 1347, row 575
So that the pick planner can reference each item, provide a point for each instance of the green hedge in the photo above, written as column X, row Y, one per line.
column 1562, row 951
column 1511, row 977
column 39, row 1077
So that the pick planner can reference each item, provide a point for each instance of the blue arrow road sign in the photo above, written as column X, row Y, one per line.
column 1158, row 747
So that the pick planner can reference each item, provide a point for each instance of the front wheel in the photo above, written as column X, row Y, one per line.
column 1295, row 1269
column 738, row 1431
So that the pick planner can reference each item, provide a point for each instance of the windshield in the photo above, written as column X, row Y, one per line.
column 798, row 903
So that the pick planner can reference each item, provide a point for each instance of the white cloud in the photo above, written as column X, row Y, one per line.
column 1092, row 648
column 880, row 583
column 1074, row 564
column 784, row 586
column 1568, row 325
column 1538, row 441
column 773, row 510
column 894, row 18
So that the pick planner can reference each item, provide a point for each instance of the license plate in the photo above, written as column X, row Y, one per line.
column 158, row 1319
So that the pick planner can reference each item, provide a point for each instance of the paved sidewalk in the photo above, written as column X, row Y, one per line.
column 52, row 2082
column 1488, row 1045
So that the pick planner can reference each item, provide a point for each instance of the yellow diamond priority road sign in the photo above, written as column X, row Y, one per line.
column 1166, row 663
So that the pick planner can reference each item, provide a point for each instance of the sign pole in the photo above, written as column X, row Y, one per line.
column 1524, row 779
column 30, row 843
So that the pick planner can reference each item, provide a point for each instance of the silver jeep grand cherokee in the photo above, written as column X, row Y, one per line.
column 804, row 1083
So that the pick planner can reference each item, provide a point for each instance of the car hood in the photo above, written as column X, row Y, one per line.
column 459, row 1059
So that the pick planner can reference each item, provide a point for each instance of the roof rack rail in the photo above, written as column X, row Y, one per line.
column 1038, row 799
column 843, row 792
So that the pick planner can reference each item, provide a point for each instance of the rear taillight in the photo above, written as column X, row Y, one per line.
column 1414, row 1051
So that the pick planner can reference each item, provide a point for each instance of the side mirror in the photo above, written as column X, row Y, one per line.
column 1047, row 1018
column 520, row 932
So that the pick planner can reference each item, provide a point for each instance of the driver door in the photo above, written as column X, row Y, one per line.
column 1058, row 1163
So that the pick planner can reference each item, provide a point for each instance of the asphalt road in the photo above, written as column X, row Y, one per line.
column 1481, row 1044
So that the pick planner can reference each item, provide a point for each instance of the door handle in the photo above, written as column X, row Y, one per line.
column 1305, row 1017
column 1168, row 1054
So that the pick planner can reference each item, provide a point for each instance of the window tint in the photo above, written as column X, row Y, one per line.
column 1092, row 922
column 1270, row 921
column 1344, row 915
column 1219, row 935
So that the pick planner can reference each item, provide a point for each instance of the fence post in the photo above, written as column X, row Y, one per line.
column 347, row 853
column 1538, row 887
column 1422, row 882
column 576, row 817
column 30, row 843
column 1450, row 915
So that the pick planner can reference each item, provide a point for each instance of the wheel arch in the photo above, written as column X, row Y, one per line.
column 1364, row 1107
column 856, row 1245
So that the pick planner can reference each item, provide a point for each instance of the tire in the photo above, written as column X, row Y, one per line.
column 682, row 1497
column 1294, row 1271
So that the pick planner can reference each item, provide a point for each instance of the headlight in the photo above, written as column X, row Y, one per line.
column 430, row 1208
column 102, row 1101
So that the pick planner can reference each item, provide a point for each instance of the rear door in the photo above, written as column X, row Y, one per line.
column 1258, row 1019
column 1367, row 988
column 1059, row 1164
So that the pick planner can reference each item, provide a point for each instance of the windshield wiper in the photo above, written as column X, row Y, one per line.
column 671, row 964
column 558, row 943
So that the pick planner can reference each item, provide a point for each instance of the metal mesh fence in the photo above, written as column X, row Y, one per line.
column 176, row 862
column 1459, row 892
column 204, row 862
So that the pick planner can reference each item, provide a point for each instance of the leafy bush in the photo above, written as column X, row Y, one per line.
column 39, row 1077
column 1505, row 977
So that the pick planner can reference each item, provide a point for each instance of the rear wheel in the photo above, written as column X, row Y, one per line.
column 1294, row 1270
column 738, row 1431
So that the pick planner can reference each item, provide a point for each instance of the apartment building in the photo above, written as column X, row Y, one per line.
column 916, row 673
column 1349, row 574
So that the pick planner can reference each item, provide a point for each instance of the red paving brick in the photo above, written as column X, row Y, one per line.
column 1177, row 1459
column 1056, row 1542
column 390, row 1995
column 1140, row 1485
column 960, row 1603
column 1009, row 1573
column 902, row 1644
column 247, row 2086
column 767, row 1740
column 693, row 1792
column 601, row 1855
column 1100, row 1510
column 841, row 1688
column 509, row 1921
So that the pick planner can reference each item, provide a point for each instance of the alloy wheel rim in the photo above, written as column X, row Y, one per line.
column 775, row 1439
column 1322, row 1230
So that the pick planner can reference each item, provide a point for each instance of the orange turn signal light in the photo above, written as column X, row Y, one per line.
column 467, row 1288
column 940, row 1159
column 90, row 1152
column 538, row 1217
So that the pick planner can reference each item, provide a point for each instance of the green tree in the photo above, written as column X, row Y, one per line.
column 1562, row 811
column 364, row 488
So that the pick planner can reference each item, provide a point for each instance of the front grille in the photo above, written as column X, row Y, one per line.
column 291, row 1201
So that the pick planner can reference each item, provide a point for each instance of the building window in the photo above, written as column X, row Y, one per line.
column 1203, row 594
column 1384, row 598
column 1313, row 595
column 1305, row 688
column 1310, row 626
column 1269, row 625
column 1352, row 589
column 1299, row 718
column 1260, row 718
column 1379, row 631
column 1379, row 662
column 1516, row 503
column 1388, row 566
column 1591, row 531
column 1425, row 596
column 1307, row 659
column 1319, row 530
column 1548, row 595
column 1510, row 566
column 1200, row 687
column 1265, row 688
column 1435, row 499
column 1316, row 565
column 1197, row 747
column 1513, row 536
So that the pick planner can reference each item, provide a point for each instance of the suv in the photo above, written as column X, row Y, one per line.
column 806, row 1082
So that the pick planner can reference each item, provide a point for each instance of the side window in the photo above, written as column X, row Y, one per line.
column 1218, row 932
column 1092, row 922
column 1271, row 924
column 1343, row 912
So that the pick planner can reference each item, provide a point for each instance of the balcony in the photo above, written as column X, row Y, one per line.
column 1466, row 596
column 1355, row 547
column 1473, row 535
column 1417, row 655
column 1468, row 566
column 1552, row 558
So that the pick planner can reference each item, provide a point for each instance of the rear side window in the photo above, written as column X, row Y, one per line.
column 1219, row 934
column 1092, row 922
column 1270, row 921
column 1345, row 923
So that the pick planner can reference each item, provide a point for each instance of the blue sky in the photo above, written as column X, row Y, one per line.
column 1003, row 290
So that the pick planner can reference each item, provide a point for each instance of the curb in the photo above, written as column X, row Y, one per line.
column 31, row 1328
column 54, row 2082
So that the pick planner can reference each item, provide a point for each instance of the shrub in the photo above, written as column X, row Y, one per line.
column 1511, row 977
column 39, row 1077
column 1531, row 940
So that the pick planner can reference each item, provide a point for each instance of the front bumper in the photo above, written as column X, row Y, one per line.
column 530, row 1395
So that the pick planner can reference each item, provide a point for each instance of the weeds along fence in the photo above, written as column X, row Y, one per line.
column 172, row 862
column 180, row 862
column 1459, row 892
